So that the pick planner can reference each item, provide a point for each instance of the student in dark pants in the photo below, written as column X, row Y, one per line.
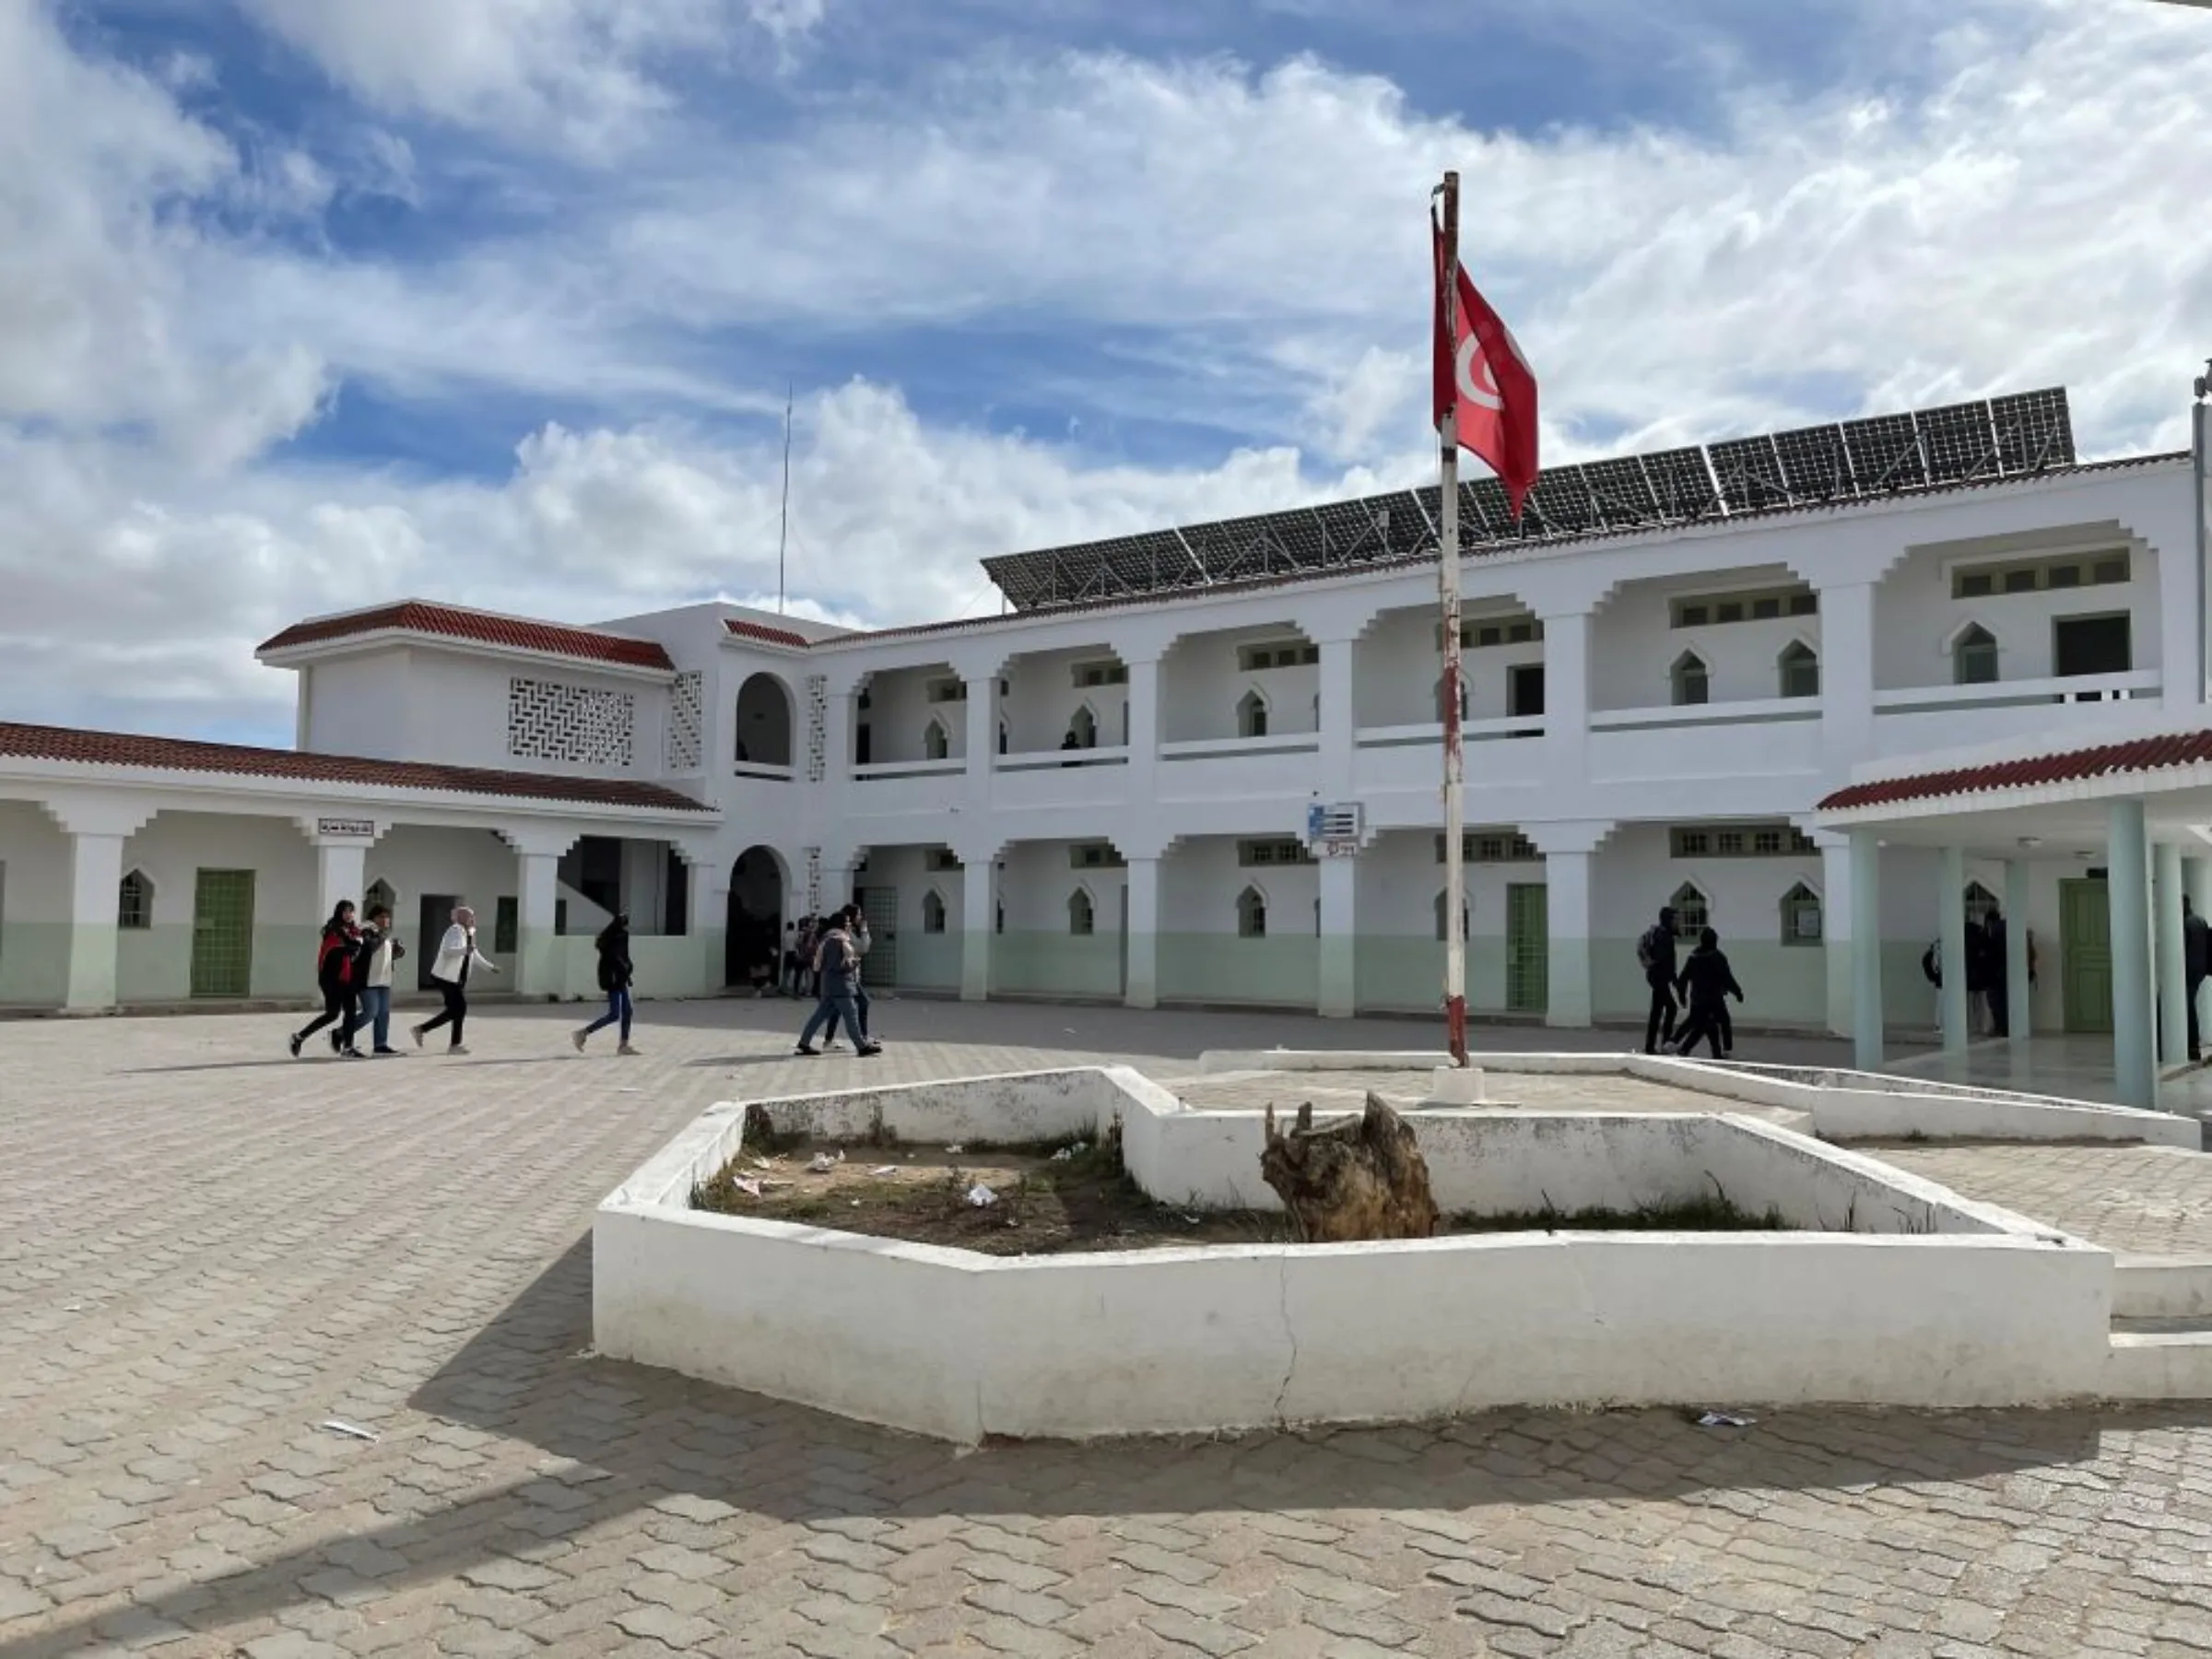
column 1656, row 954
column 457, row 956
column 335, row 955
column 2196, row 955
column 1708, row 981
column 1996, row 988
column 615, row 976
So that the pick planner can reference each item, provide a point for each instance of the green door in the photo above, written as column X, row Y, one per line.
column 2084, row 946
column 222, row 932
column 1527, row 940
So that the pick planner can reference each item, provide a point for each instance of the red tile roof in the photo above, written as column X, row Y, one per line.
column 761, row 631
column 174, row 754
column 2137, row 755
column 416, row 615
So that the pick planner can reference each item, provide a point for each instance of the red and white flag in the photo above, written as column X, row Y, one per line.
column 1484, row 384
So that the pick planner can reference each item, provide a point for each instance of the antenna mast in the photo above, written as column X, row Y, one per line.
column 783, row 519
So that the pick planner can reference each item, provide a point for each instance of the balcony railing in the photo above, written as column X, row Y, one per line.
column 1045, row 759
column 2137, row 685
column 1207, row 748
column 877, row 770
column 1431, row 734
column 1745, row 712
column 761, row 768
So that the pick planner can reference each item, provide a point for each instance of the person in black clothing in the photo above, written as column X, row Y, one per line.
column 1656, row 954
column 615, row 976
column 1977, row 970
column 1996, row 983
column 2196, row 955
column 335, row 977
column 1708, row 981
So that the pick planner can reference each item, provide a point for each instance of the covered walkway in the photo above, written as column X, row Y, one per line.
column 2133, row 815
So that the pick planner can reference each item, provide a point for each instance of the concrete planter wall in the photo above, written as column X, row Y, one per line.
column 1933, row 1302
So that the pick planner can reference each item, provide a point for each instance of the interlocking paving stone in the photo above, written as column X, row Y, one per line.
column 210, row 1251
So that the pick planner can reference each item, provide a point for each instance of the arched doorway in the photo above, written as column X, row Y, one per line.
column 764, row 722
column 755, row 936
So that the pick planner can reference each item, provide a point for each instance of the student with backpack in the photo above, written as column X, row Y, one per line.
column 1707, row 982
column 615, row 976
column 335, row 953
column 1655, row 955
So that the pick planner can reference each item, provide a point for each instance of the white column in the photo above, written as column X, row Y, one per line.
column 979, row 916
column 2172, row 963
column 1144, row 925
column 95, row 889
column 2019, row 992
column 1950, row 915
column 1839, row 932
column 340, row 872
column 1143, row 742
column 538, row 964
column 1335, row 771
column 1567, row 695
column 982, row 732
column 1847, row 678
column 1866, row 1010
column 2127, row 889
column 1567, row 999
column 707, row 919
column 1339, row 936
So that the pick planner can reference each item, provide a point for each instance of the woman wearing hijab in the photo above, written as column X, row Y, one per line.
column 458, row 955
column 615, row 975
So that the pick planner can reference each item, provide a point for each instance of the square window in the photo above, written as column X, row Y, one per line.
column 1766, row 841
column 2019, row 581
column 1694, row 616
column 1730, row 611
column 1975, row 584
column 2066, row 575
column 1487, row 636
column 2108, row 571
column 1766, row 609
column 1805, row 604
column 1521, row 633
column 1729, row 844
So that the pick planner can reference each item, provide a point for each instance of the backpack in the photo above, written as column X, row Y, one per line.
column 344, row 947
column 1647, row 949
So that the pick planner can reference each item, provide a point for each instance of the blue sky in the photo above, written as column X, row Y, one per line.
column 307, row 304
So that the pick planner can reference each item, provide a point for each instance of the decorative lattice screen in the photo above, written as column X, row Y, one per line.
column 687, row 723
column 550, row 721
column 818, row 727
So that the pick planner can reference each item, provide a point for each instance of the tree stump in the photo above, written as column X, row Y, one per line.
column 1365, row 1179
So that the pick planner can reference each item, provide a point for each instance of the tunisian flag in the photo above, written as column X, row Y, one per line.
column 1484, row 383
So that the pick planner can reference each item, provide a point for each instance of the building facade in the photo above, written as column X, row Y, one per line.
column 1108, row 798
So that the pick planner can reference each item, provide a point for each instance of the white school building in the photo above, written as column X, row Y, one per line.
column 1105, row 792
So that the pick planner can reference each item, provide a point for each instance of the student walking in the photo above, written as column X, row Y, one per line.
column 615, row 976
column 857, row 931
column 379, row 950
column 1708, row 981
column 334, row 977
column 2196, row 961
column 1655, row 955
column 839, row 966
column 458, row 955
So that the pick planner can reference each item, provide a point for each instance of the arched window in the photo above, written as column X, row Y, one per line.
column 998, row 915
column 1974, row 656
column 1251, row 914
column 935, row 745
column 1693, row 911
column 1800, row 670
column 1801, row 916
column 1464, row 701
column 1003, row 736
column 933, row 911
column 379, row 896
column 1083, row 728
column 1692, row 680
column 1252, row 715
column 1466, row 931
column 135, row 901
column 1980, row 904
column 1082, row 918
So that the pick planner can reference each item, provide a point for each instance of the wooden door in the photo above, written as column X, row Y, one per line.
column 1527, row 947
column 2085, row 945
column 222, row 932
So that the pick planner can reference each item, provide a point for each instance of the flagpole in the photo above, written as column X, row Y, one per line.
column 1447, row 585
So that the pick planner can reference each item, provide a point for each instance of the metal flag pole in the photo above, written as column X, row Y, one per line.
column 1447, row 587
column 784, row 520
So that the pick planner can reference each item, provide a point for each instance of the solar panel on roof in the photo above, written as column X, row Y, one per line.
column 1885, row 452
column 1957, row 442
column 1814, row 464
column 1484, row 512
column 2034, row 429
column 1749, row 474
column 1620, row 493
column 1353, row 532
column 1562, row 499
column 1682, row 483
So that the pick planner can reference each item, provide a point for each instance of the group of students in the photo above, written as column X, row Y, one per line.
column 825, row 959
column 1703, row 983
column 353, row 970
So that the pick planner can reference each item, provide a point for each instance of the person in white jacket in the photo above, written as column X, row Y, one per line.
column 458, row 955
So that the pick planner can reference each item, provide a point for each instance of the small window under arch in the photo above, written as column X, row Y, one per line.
column 379, row 896
column 1251, row 914
column 1466, row 932
column 1691, row 679
column 1252, row 715
column 935, row 745
column 135, row 901
column 1980, row 904
column 1974, row 656
column 1800, row 669
column 933, row 911
column 1801, row 919
column 1082, row 915
column 1083, row 728
column 1464, row 702
column 1693, row 911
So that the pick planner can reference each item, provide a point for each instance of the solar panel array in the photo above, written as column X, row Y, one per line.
column 2004, row 437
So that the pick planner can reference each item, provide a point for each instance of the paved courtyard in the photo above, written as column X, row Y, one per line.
column 207, row 1252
